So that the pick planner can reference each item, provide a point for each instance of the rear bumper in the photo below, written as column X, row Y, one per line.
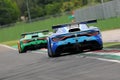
column 78, row 46
column 36, row 46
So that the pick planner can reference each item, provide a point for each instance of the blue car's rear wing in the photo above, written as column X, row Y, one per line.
column 64, row 25
column 42, row 31
column 88, row 22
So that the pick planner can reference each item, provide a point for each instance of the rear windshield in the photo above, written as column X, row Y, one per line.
column 29, row 36
column 35, row 36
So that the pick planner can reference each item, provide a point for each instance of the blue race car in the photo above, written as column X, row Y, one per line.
column 74, row 37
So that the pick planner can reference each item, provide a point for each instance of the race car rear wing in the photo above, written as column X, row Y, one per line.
column 64, row 25
column 42, row 31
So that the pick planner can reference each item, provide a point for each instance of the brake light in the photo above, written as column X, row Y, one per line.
column 93, row 34
column 26, row 41
column 59, row 38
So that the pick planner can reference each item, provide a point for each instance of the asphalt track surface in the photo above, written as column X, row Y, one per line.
column 38, row 66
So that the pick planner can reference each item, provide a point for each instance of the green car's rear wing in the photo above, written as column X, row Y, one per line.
column 69, row 24
column 42, row 31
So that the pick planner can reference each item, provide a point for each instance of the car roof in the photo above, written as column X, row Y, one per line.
column 65, row 30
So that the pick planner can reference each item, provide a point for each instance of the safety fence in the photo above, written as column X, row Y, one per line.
column 101, row 11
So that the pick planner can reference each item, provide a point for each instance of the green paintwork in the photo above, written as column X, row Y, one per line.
column 36, row 39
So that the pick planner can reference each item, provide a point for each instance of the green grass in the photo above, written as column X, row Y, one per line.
column 112, row 45
column 108, row 24
column 10, row 43
column 13, row 33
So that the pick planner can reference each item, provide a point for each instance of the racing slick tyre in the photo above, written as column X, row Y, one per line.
column 19, row 49
column 51, row 54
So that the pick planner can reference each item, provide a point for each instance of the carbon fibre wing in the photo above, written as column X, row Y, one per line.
column 69, row 24
column 41, row 31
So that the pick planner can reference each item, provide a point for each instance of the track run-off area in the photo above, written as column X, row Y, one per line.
column 36, row 65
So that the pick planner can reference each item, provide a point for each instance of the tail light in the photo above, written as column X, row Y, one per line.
column 93, row 34
column 59, row 38
column 62, row 37
column 26, row 41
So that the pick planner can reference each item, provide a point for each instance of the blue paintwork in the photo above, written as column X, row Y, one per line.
column 64, row 31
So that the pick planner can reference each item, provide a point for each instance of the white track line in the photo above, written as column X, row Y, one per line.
column 41, row 51
column 105, row 53
column 108, row 60
column 8, row 47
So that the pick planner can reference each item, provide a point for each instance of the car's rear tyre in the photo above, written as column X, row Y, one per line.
column 20, row 50
column 51, row 54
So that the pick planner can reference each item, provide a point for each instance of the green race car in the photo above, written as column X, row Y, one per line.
column 32, row 41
